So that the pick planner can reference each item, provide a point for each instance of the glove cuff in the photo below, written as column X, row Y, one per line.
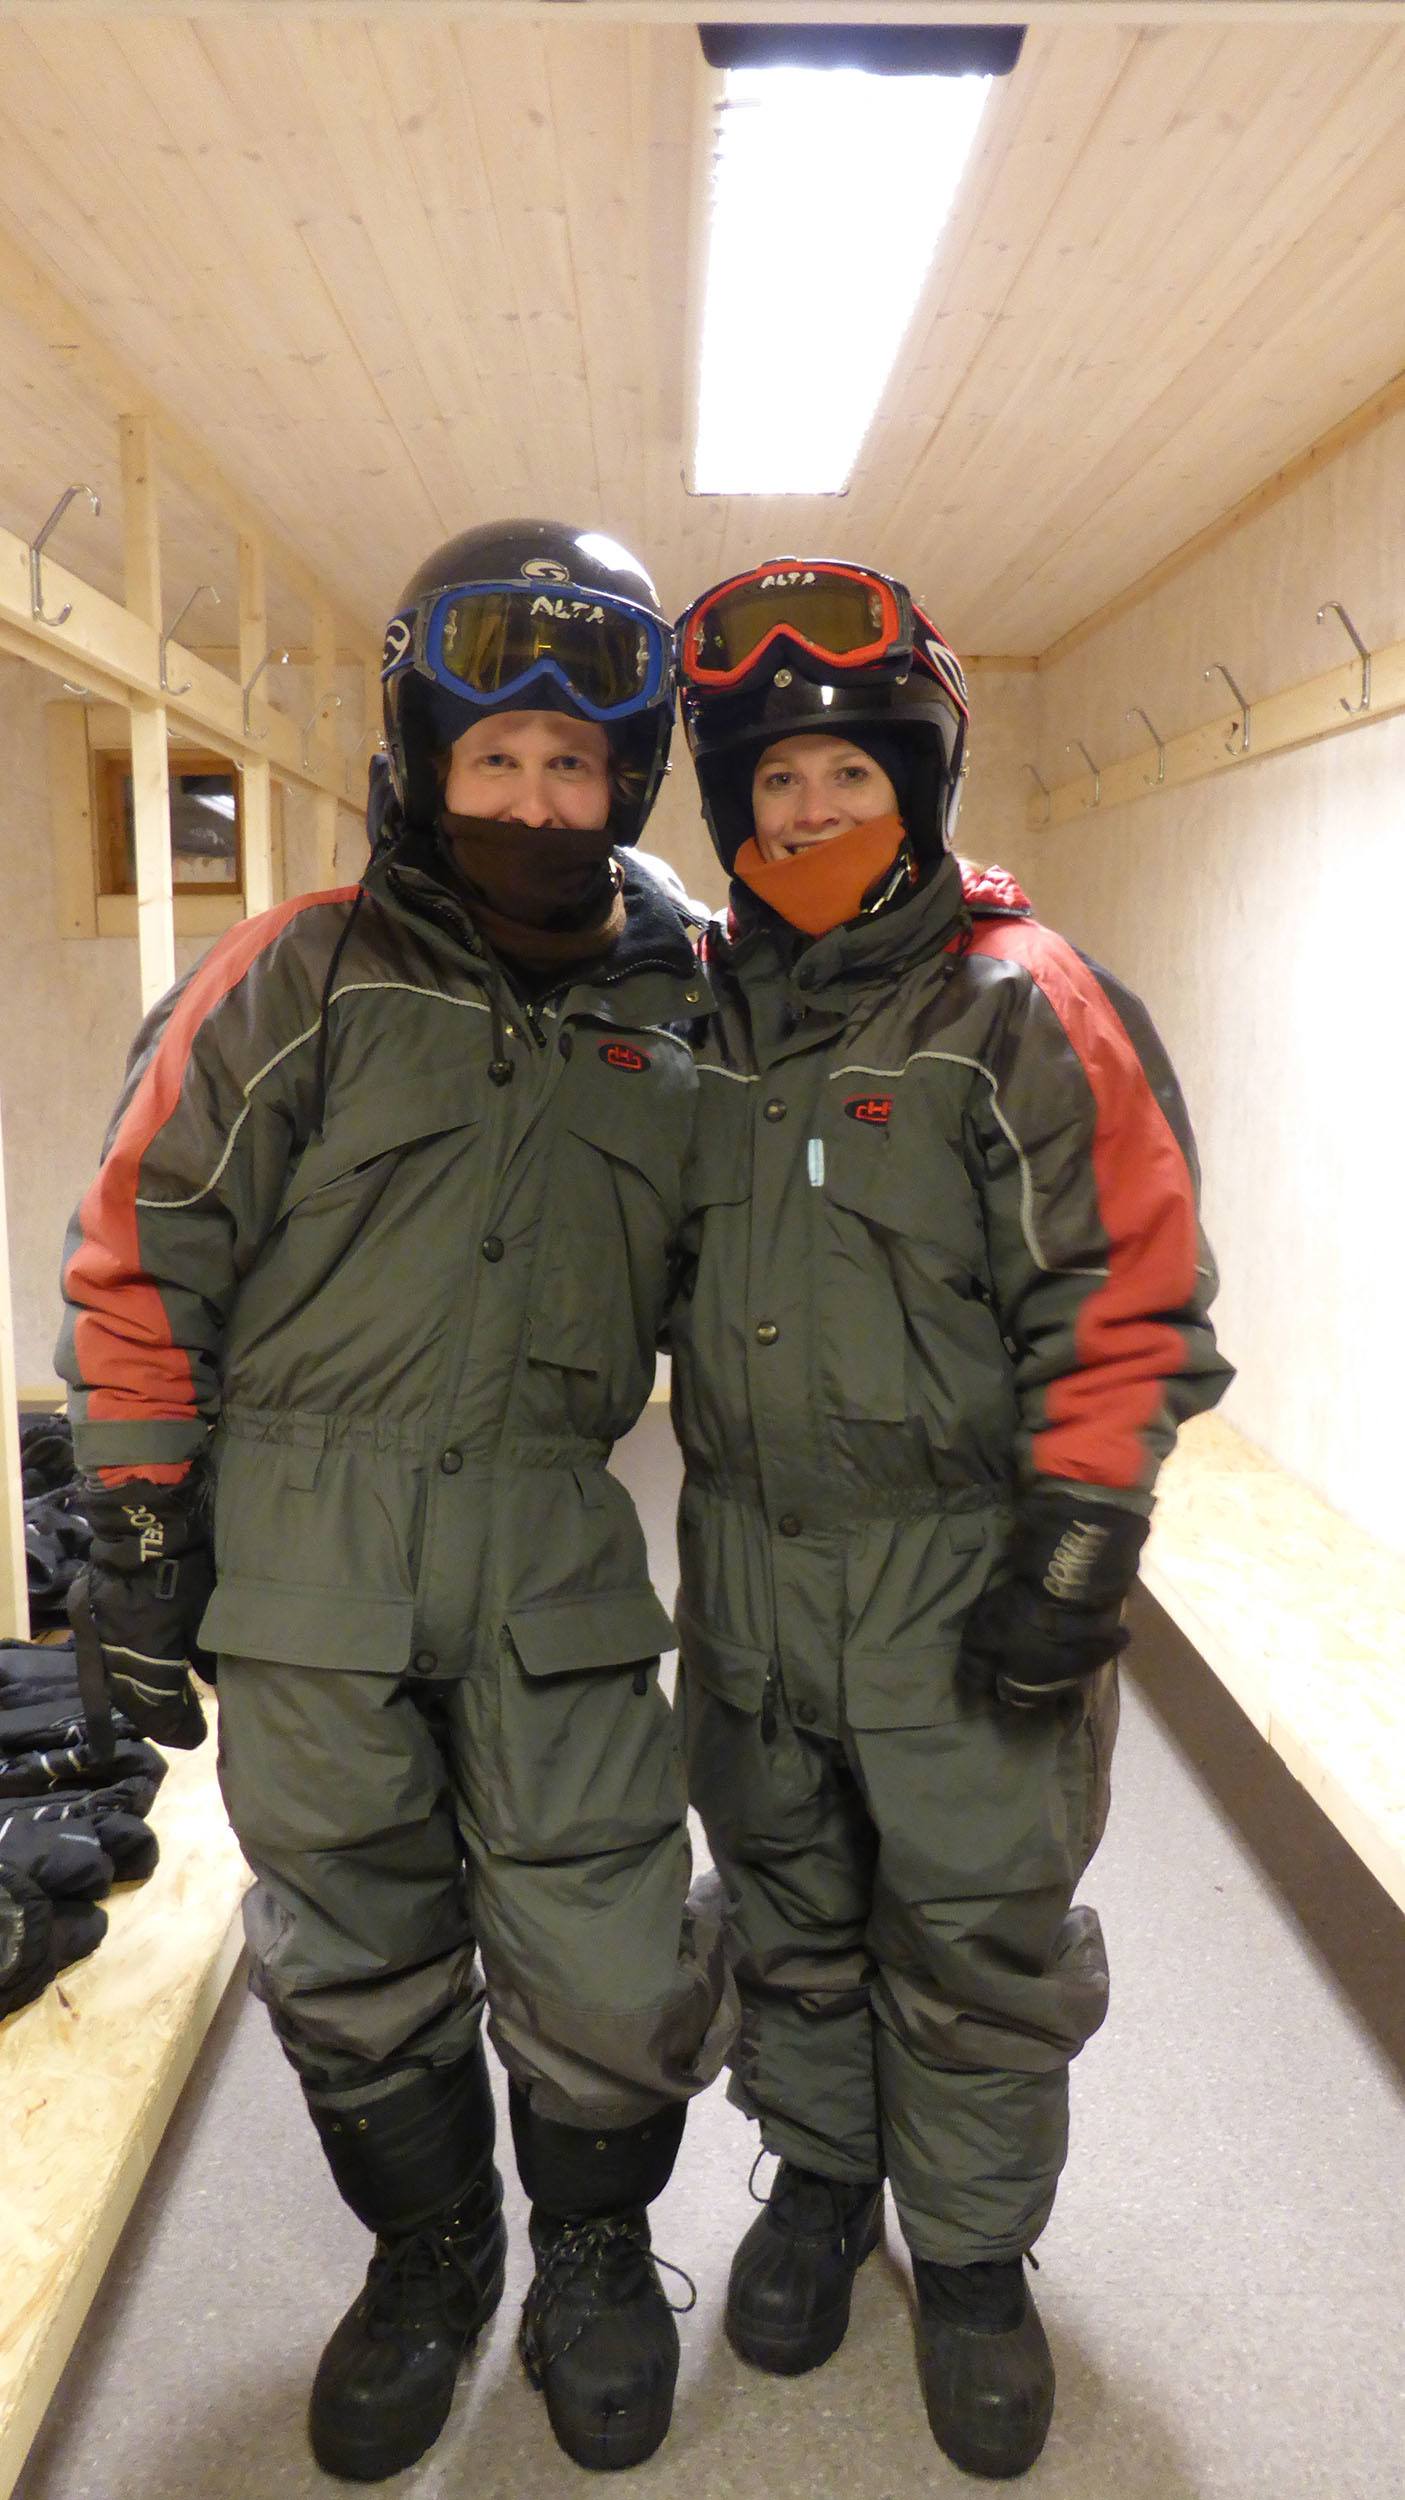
column 140, row 1522
column 1078, row 1553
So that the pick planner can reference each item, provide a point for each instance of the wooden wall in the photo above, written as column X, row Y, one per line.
column 1257, row 912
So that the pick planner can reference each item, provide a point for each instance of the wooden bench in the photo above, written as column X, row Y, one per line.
column 89, row 2076
column 1302, row 1617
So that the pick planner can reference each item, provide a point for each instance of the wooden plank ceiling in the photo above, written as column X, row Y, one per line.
column 405, row 273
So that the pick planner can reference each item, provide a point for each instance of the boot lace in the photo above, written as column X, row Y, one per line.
column 433, row 2264
column 595, row 2266
column 806, row 2202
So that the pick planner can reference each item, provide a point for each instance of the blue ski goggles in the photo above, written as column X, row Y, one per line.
column 492, row 642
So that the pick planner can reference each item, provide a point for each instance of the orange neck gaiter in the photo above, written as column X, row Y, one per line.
column 818, row 889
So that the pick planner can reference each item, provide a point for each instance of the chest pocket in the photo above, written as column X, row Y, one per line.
column 396, row 1168
column 900, row 1230
column 600, row 1286
column 374, row 1129
column 717, row 1171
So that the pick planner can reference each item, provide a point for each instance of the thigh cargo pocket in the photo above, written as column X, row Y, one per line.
column 315, row 1550
column 585, row 1761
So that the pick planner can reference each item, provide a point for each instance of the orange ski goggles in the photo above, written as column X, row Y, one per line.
column 840, row 617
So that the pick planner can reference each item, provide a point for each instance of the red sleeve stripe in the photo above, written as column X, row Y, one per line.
column 1099, row 1411
column 125, row 1353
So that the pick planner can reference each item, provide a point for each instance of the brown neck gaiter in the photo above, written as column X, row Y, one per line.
column 818, row 889
column 542, row 894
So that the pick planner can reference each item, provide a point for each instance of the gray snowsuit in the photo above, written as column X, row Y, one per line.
column 398, row 1251
column 943, row 1249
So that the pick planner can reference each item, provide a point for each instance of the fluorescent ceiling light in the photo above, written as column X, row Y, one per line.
column 830, row 190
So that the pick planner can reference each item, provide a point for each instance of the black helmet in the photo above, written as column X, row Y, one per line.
column 802, row 644
column 529, row 615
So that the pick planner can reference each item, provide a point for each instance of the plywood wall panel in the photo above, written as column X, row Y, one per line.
column 1254, row 913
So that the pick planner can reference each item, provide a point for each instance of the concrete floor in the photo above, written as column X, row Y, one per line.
column 1223, row 2280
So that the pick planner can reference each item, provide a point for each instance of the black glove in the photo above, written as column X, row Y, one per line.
column 137, row 1608
column 1058, row 1617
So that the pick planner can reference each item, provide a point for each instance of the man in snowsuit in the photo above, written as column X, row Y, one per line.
column 374, row 1264
column 947, row 1305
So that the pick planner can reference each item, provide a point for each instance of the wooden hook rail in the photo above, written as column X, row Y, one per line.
column 1322, row 707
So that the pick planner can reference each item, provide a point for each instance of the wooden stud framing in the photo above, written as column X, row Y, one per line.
column 151, row 788
column 259, row 880
column 151, row 809
column 1279, row 722
column 116, row 655
column 323, row 742
column 84, row 355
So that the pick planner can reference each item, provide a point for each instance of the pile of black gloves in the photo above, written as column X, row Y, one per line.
column 72, row 1821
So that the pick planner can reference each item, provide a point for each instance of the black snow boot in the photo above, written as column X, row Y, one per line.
column 987, row 2372
column 793, row 2275
column 597, row 2333
column 415, row 2164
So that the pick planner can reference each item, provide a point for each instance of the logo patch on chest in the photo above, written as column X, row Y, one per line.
column 872, row 1110
column 624, row 1055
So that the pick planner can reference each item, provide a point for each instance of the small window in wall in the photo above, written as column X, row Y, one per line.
column 90, row 784
column 206, row 826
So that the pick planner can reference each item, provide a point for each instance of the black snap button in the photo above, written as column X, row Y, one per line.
column 775, row 1108
column 789, row 1525
column 806, row 1713
column 566, row 1044
column 500, row 1072
column 424, row 1662
column 492, row 1248
column 767, row 1333
column 451, row 1462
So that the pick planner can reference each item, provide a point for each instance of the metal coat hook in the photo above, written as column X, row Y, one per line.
column 270, row 659
column 1240, row 699
column 1043, row 785
column 1136, row 713
column 85, row 694
column 329, row 703
column 1363, row 654
column 1094, row 769
column 36, row 552
column 168, row 638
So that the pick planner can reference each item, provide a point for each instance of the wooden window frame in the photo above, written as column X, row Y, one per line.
column 84, row 741
column 111, row 772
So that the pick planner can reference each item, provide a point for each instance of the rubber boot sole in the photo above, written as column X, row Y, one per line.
column 789, row 2356
column 369, row 2458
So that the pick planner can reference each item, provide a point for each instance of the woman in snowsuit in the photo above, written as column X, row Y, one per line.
column 376, row 1257
column 947, row 1305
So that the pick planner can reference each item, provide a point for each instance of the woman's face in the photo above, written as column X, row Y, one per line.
column 808, row 788
column 535, row 768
